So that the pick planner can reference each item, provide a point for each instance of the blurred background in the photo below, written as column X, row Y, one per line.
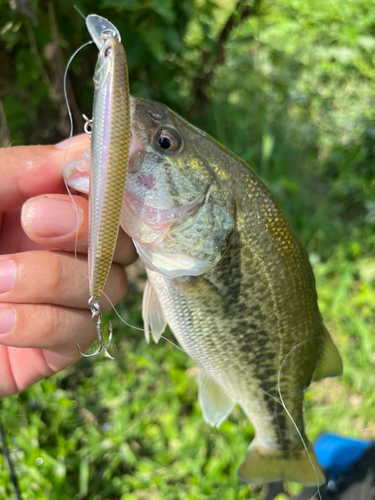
column 289, row 87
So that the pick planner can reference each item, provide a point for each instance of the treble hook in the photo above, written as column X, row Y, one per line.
column 97, row 318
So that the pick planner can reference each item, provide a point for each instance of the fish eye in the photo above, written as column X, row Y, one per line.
column 108, row 51
column 168, row 139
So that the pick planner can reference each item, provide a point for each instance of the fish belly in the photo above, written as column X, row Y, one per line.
column 242, row 368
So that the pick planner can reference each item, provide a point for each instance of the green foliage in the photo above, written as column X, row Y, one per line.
column 295, row 100
column 347, row 294
column 36, row 44
column 128, row 429
column 133, row 429
column 289, row 88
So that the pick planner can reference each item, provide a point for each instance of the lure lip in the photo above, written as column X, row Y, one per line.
column 96, row 25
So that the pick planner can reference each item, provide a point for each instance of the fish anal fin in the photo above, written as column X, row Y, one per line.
column 329, row 364
column 264, row 466
column 152, row 314
column 215, row 401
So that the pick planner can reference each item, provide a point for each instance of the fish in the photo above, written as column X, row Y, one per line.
column 229, row 275
column 110, row 143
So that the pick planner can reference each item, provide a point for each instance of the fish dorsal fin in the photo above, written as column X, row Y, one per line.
column 329, row 364
column 152, row 314
column 215, row 401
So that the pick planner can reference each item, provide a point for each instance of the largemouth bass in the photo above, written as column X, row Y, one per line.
column 229, row 275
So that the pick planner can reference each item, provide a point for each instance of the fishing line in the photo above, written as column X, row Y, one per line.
column 282, row 403
column 6, row 454
column 69, row 191
column 64, row 84
column 278, row 382
column 258, row 386
column 70, row 137
column 65, row 182
column 289, row 415
column 79, row 12
column 137, row 327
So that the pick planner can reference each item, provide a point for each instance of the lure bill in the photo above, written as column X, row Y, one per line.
column 110, row 142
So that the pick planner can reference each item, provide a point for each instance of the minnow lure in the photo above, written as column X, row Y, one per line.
column 110, row 142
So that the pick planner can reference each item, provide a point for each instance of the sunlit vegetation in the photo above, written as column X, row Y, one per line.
column 289, row 87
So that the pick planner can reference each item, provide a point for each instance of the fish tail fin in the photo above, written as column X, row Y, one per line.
column 264, row 466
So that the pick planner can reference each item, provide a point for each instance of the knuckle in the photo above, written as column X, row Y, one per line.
column 55, row 323
column 55, row 276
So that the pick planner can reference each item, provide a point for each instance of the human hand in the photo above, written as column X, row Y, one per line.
column 43, row 288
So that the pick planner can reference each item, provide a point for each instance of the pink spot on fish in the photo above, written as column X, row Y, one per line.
column 147, row 180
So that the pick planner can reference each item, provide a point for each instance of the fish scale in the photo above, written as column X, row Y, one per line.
column 231, row 278
column 235, row 285
column 110, row 149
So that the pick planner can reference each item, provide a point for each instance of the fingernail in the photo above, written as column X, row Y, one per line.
column 6, row 319
column 73, row 142
column 45, row 217
column 8, row 271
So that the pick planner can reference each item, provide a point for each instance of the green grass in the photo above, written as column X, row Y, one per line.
column 294, row 98
column 133, row 430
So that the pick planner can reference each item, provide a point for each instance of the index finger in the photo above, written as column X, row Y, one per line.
column 27, row 171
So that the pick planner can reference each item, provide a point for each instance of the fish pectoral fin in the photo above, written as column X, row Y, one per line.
column 152, row 314
column 264, row 466
column 215, row 401
column 329, row 364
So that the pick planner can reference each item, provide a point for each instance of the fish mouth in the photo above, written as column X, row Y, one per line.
column 159, row 217
column 149, row 227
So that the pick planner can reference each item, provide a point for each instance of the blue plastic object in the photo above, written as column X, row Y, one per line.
column 337, row 454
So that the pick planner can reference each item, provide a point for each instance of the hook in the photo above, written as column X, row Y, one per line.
column 97, row 318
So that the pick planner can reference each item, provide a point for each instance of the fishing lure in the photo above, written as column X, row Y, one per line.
column 110, row 142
